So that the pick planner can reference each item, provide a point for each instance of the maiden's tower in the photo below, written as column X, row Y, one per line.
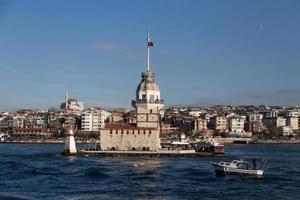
column 144, row 135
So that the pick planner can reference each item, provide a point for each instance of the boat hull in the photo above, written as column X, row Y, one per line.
column 221, row 169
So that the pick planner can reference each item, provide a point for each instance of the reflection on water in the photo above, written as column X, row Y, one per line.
column 146, row 164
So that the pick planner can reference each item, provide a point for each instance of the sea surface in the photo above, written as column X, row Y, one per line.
column 38, row 171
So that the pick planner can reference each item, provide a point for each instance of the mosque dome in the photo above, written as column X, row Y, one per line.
column 72, row 100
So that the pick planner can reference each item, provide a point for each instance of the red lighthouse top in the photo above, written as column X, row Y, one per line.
column 70, row 133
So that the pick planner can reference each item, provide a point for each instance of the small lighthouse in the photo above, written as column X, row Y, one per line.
column 70, row 145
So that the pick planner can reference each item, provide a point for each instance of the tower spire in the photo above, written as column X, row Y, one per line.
column 149, row 44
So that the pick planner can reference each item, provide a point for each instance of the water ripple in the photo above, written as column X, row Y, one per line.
column 39, row 172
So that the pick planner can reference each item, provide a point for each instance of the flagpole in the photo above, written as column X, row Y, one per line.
column 148, row 48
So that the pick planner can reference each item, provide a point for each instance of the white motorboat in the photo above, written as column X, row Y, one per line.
column 242, row 167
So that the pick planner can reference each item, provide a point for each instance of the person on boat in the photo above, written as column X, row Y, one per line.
column 242, row 163
column 254, row 164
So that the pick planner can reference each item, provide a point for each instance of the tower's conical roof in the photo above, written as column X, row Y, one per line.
column 147, row 82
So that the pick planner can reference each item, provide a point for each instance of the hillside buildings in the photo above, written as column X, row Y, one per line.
column 274, row 122
column 293, row 122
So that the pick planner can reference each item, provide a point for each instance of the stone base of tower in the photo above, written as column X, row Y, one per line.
column 125, row 137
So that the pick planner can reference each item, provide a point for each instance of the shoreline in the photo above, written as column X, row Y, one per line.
column 276, row 142
column 43, row 142
column 93, row 142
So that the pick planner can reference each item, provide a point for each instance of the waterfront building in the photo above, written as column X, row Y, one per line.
column 144, row 135
column 254, row 127
column 166, row 128
column 18, row 121
column 219, row 123
column 290, row 113
column 293, row 122
column 286, row 130
column 116, row 117
column 236, row 124
column 37, row 120
column 255, row 117
column 271, row 113
column 274, row 122
column 7, row 123
column 93, row 120
column 31, row 133
column 200, row 124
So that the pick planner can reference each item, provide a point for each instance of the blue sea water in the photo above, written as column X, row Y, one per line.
column 39, row 172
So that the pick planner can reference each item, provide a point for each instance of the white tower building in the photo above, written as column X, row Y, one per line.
column 145, row 135
column 148, row 102
column 70, row 146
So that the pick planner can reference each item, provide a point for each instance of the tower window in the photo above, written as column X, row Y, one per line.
column 150, row 110
column 152, row 98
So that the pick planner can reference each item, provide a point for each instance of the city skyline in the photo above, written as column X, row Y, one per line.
column 205, row 52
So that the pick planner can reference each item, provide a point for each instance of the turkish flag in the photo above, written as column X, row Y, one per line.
column 150, row 44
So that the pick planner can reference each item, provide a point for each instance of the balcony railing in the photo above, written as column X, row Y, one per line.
column 157, row 101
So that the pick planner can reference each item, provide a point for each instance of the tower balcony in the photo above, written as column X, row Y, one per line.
column 145, row 101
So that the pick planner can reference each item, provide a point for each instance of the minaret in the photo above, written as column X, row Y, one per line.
column 70, row 146
column 148, row 102
column 66, row 99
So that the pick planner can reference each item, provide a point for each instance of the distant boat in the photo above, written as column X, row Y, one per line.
column 213, row 147
column 243, row 167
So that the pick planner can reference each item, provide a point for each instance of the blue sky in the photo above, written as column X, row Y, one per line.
column 205, row 52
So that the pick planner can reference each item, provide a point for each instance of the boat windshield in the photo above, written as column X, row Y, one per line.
column 243, row 165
